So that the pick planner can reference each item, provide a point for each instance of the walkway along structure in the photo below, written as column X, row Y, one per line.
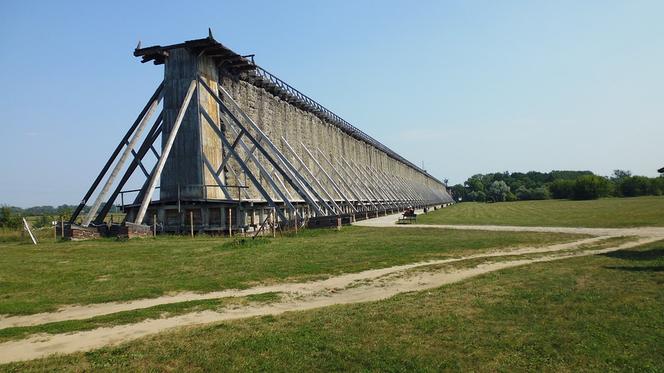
column 233, row 146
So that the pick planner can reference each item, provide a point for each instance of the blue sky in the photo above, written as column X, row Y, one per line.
column 464, row 86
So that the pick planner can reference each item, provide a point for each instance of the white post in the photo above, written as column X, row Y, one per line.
column 230, row 222
column 27, row 228
column 191, row 222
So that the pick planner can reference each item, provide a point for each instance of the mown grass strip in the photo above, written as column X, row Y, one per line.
column 602, row 213
column 134, row 316
column 42, row 278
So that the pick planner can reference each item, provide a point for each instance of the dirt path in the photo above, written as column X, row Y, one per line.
column 374, row 285
column 92, row 310
column 390, row 221
column 370, row 285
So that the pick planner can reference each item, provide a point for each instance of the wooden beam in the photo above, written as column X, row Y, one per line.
column 164, row 153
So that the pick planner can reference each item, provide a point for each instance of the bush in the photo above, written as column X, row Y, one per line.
column 562, row 189
column 524, row 193
column 511, row 197
column 43, row 221
column 459, row 192
column 657, row 186
column 477, row 196
column 540, row 193
column 499, row 191
column 8, row 219
column 591, row 187
column 634, row 186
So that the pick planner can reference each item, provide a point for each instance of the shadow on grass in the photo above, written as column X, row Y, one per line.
column 637, row 269
column 651, row 254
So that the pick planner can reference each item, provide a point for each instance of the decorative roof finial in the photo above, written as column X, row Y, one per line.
column 210, row 33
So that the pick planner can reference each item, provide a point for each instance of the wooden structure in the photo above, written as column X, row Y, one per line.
column 233, row 142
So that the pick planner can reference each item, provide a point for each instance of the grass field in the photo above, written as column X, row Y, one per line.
column 134, row 316
column 599, row 313
column 41, row 278
column 605, row 213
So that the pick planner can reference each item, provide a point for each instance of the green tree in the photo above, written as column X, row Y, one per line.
column 540, row 193
column 620, row 174
column 633, row 186
column 459, row 192
column 474, row 183
column 477, row 196
column 499, row 191
column 522, row 193
column 8, row 218
column 562, row 189
column 591, row 187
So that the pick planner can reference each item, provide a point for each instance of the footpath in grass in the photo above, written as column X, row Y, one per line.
column 135, row 316
column 602, row 213
column 600, row 313
column 41, row 278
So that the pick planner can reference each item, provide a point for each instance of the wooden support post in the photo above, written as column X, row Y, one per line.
column 230, row 222
column 338, row 223
column 154, row 225
column 273, row 222
column 62, row 228
column 166, row 149
column 27, row 228
column 131, row 144
column 191, row 223
column 295, row 221
column 55, row 230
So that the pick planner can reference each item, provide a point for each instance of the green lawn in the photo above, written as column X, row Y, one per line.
column 605, row 213
column 135, row 316
column 597, row 313
column 41, row 278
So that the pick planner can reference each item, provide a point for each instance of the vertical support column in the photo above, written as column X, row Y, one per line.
column 165, row 154
column 230, row 222
column 195, row 142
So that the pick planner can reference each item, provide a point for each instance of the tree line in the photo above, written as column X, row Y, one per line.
column 10, row 216
column 533, row 185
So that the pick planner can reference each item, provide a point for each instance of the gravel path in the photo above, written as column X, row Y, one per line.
column 391, row 220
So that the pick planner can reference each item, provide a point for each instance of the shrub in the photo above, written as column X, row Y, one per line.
column 459, row 192
column 523, row 193
column 591, row 187
column 633, row 186
column 562, row 188
column 657, row 186
column 477, row 196
column 8, row 219
column 540, row 193
column 498, row 191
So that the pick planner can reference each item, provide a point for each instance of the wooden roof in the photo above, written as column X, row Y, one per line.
column 223, row 56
